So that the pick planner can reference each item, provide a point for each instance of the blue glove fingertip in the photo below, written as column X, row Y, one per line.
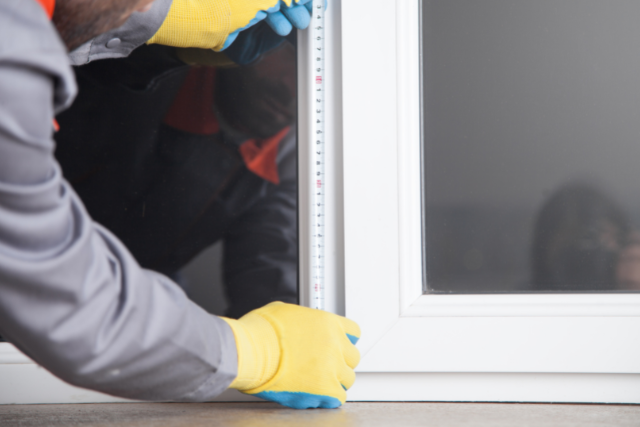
column 353, row 339
column 279, row 23
column 298, row 16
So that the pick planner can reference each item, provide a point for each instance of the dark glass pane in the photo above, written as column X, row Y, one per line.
column 531, row 145
column 194, row 168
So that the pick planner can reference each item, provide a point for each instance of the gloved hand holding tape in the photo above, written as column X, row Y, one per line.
column 215, row 24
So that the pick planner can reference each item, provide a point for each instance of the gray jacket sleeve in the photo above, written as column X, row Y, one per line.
column 121, row 41
column 71, row 295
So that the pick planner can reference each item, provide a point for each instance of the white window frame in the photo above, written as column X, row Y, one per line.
column 534, row 348
column 539, row 348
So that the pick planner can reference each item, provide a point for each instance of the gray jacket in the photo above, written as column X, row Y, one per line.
column 71, row 295
column 120, row 42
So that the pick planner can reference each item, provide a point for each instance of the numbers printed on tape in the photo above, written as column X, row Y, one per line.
column 317, row 164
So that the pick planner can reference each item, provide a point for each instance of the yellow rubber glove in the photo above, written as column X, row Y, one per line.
column 296, row 356
column 214, row 24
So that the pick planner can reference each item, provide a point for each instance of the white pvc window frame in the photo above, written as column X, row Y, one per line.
column 538, row 348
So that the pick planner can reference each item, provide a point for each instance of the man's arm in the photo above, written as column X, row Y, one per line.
column 71, row 295
column 202, row 26
column 120, row 42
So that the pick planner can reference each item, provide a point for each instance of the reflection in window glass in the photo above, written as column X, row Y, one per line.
column 531, row 145
column 174, row 159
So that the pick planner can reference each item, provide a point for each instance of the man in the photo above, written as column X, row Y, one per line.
column 199, row 155
column 74, row 299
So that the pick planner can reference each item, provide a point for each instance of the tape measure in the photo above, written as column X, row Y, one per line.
column 318, row 158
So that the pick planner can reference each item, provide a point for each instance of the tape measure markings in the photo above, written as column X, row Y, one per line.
column 318, row 159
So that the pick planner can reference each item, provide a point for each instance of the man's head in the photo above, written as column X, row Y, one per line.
column 80, row 20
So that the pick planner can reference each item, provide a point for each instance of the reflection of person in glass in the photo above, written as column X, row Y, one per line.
column 200, row 154
column 628, row 266
column 583, row 241
column 72, row 296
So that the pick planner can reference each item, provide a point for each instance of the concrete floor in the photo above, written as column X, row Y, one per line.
column 351, row 415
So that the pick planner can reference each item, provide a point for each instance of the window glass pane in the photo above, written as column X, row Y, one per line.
column 194, row 168
column 531, row 145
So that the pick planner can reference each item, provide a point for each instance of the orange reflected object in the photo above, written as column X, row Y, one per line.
column 260, row 156
column 48, row 6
